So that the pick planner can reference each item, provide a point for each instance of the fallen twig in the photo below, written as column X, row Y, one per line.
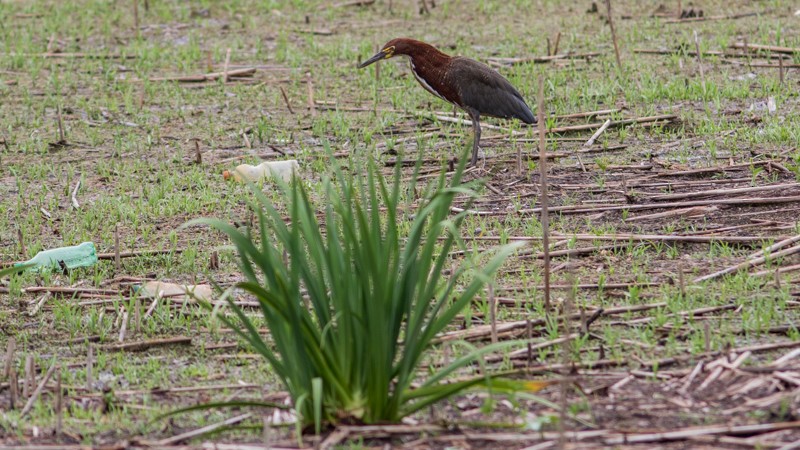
column 613, row 34
column 540, row 59
column 381, row 431
column 204, row 430
column 576, row 209
column 769, row 48
column 705, row 18
column 123, row 328
column 315, row 31
column 66, row 290
column 71, row 55
column 686, row 433
column 733, row 191
column 38, row 391
column 699, row 56
column 615, row 123
column 597, row 133
column 694, row 313
column 62, row 137
column 225, row 72
column 145, row 345
column 137, row 253
column 523, row 353
column 651, row 51
column 482, row 331
column 580, row 251
column 245, row 72
column 185, row 389
column 749, row 263
column 335, row 438
column 778, row 271
column 544, row 219
column 581, row 209
column 691, row 212
column 286, row 100
column 39, row 304
column 10, row 349
column 350, row 3
column 776, row 246
column 580, row 286
column 633, row 237
column 312, row 108
column 657, row 363
column 713, row 169
column 764, row 65
column 74, row 196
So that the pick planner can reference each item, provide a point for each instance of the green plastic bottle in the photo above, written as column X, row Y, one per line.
column 83, row 255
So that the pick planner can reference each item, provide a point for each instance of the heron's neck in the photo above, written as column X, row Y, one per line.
column 430, row 66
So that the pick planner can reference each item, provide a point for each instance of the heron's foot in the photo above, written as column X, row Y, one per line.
column 476, row 156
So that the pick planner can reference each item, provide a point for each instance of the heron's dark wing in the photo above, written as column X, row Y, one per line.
column 486, row 91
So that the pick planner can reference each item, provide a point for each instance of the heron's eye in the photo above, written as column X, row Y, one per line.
column 389, row 51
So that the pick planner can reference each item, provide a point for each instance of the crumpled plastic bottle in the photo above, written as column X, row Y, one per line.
column 267, row 169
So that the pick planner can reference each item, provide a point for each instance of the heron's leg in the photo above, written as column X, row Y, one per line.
column 476, row 134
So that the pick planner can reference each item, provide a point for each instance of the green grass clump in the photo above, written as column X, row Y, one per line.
column 375, row 294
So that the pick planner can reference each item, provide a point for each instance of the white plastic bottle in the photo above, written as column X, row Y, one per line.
column 160, row 289
column 268, row 169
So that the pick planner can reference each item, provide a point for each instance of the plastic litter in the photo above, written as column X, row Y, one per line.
column 82, row 255
column 160, row 289
column 268, row 169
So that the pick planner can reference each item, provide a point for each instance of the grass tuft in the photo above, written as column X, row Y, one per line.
column 354, row 298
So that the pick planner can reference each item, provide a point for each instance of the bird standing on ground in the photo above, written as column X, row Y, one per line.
column 473, row 86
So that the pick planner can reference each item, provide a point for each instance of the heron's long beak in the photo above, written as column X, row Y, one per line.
column 378, row 56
